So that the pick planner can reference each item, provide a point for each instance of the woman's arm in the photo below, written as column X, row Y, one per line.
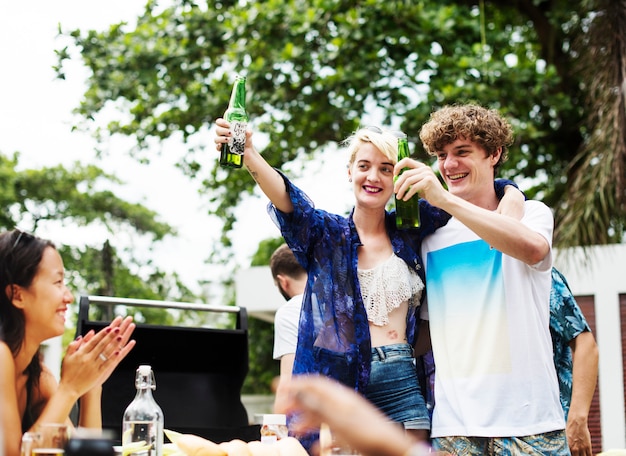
column 91, row 409
column 269, row 180
column 88, row 363
column 10, row 420
column 512, row 203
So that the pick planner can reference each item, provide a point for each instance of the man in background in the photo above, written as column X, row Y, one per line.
column 290, row 278
column 576, row 362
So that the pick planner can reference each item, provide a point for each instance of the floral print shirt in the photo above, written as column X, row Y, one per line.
column 566, row 323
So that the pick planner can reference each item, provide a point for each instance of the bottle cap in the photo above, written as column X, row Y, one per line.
column 144, row 369
column 275, row 418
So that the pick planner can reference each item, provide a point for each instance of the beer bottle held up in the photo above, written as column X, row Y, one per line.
column 231, row 155
column 407, row 212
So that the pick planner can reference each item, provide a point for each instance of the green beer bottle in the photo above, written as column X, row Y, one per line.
column 407, row 212
column 232, row 152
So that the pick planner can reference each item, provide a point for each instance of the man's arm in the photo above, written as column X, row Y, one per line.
column 584, row 378
column 286, row 367
column 502, row 232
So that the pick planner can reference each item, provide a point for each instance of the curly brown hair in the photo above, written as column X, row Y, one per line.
column 485, row 127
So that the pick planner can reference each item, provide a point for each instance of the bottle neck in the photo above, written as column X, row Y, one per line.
column 144, row 380
column 238, row 96
column 403, row 148
column 144, row 393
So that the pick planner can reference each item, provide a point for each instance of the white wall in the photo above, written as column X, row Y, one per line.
column 256, row 292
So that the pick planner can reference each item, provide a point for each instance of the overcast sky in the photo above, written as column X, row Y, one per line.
column 36, row 120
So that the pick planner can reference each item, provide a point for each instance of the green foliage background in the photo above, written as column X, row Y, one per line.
column 316, row 67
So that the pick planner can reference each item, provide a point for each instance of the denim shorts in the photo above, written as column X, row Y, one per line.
column 553, row 443
column 394, row 388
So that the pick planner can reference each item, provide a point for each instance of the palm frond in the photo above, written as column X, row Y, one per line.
column 594, row 211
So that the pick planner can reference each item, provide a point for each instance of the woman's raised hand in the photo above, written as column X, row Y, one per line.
column 90, row 360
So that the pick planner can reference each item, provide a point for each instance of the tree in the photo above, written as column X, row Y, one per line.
column 314, row 68
column 594, row 207
column 76, row 196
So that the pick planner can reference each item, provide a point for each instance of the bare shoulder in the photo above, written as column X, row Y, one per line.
column 4, row 349
column 7, row 363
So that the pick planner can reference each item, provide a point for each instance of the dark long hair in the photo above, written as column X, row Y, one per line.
column 20, row 255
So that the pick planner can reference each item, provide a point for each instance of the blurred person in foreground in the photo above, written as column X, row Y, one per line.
column 33, row 303
column 355, row 421
column 290, row 278
column 488, row 277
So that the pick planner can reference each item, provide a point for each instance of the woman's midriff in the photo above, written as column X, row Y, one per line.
column 393, row 332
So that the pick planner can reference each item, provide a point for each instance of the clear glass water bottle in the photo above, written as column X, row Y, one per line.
column 143, row 418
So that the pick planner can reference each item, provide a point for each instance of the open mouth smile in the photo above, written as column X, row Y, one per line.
column 457, row 176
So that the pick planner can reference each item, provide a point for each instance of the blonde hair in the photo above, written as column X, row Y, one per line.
column 386, row 141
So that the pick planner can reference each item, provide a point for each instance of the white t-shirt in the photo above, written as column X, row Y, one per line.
column 489, row 325
column 286, row 322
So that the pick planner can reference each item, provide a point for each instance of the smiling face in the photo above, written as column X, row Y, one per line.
column 372, row 177
column 45, row 301
column 468, row 170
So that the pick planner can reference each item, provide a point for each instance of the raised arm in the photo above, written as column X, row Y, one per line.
column 501, row 232
column 269, row 180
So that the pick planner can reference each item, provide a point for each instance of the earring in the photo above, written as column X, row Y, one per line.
column 350, row 180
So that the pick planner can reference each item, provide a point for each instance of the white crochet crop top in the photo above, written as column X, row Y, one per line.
column 388, row 285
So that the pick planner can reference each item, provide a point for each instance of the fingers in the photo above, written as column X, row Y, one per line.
column 222, row 132
column 74, row 345
column 406, row 184
column 116, row 342
column 308, row 396
column 108, row 343
column 124, row 351
column 417, row 179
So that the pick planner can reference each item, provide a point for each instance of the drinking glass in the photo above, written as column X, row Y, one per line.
column 30, row 440
column 53, row 440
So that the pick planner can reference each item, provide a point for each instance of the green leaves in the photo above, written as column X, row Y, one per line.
column 316, row 68
column 84, row 196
